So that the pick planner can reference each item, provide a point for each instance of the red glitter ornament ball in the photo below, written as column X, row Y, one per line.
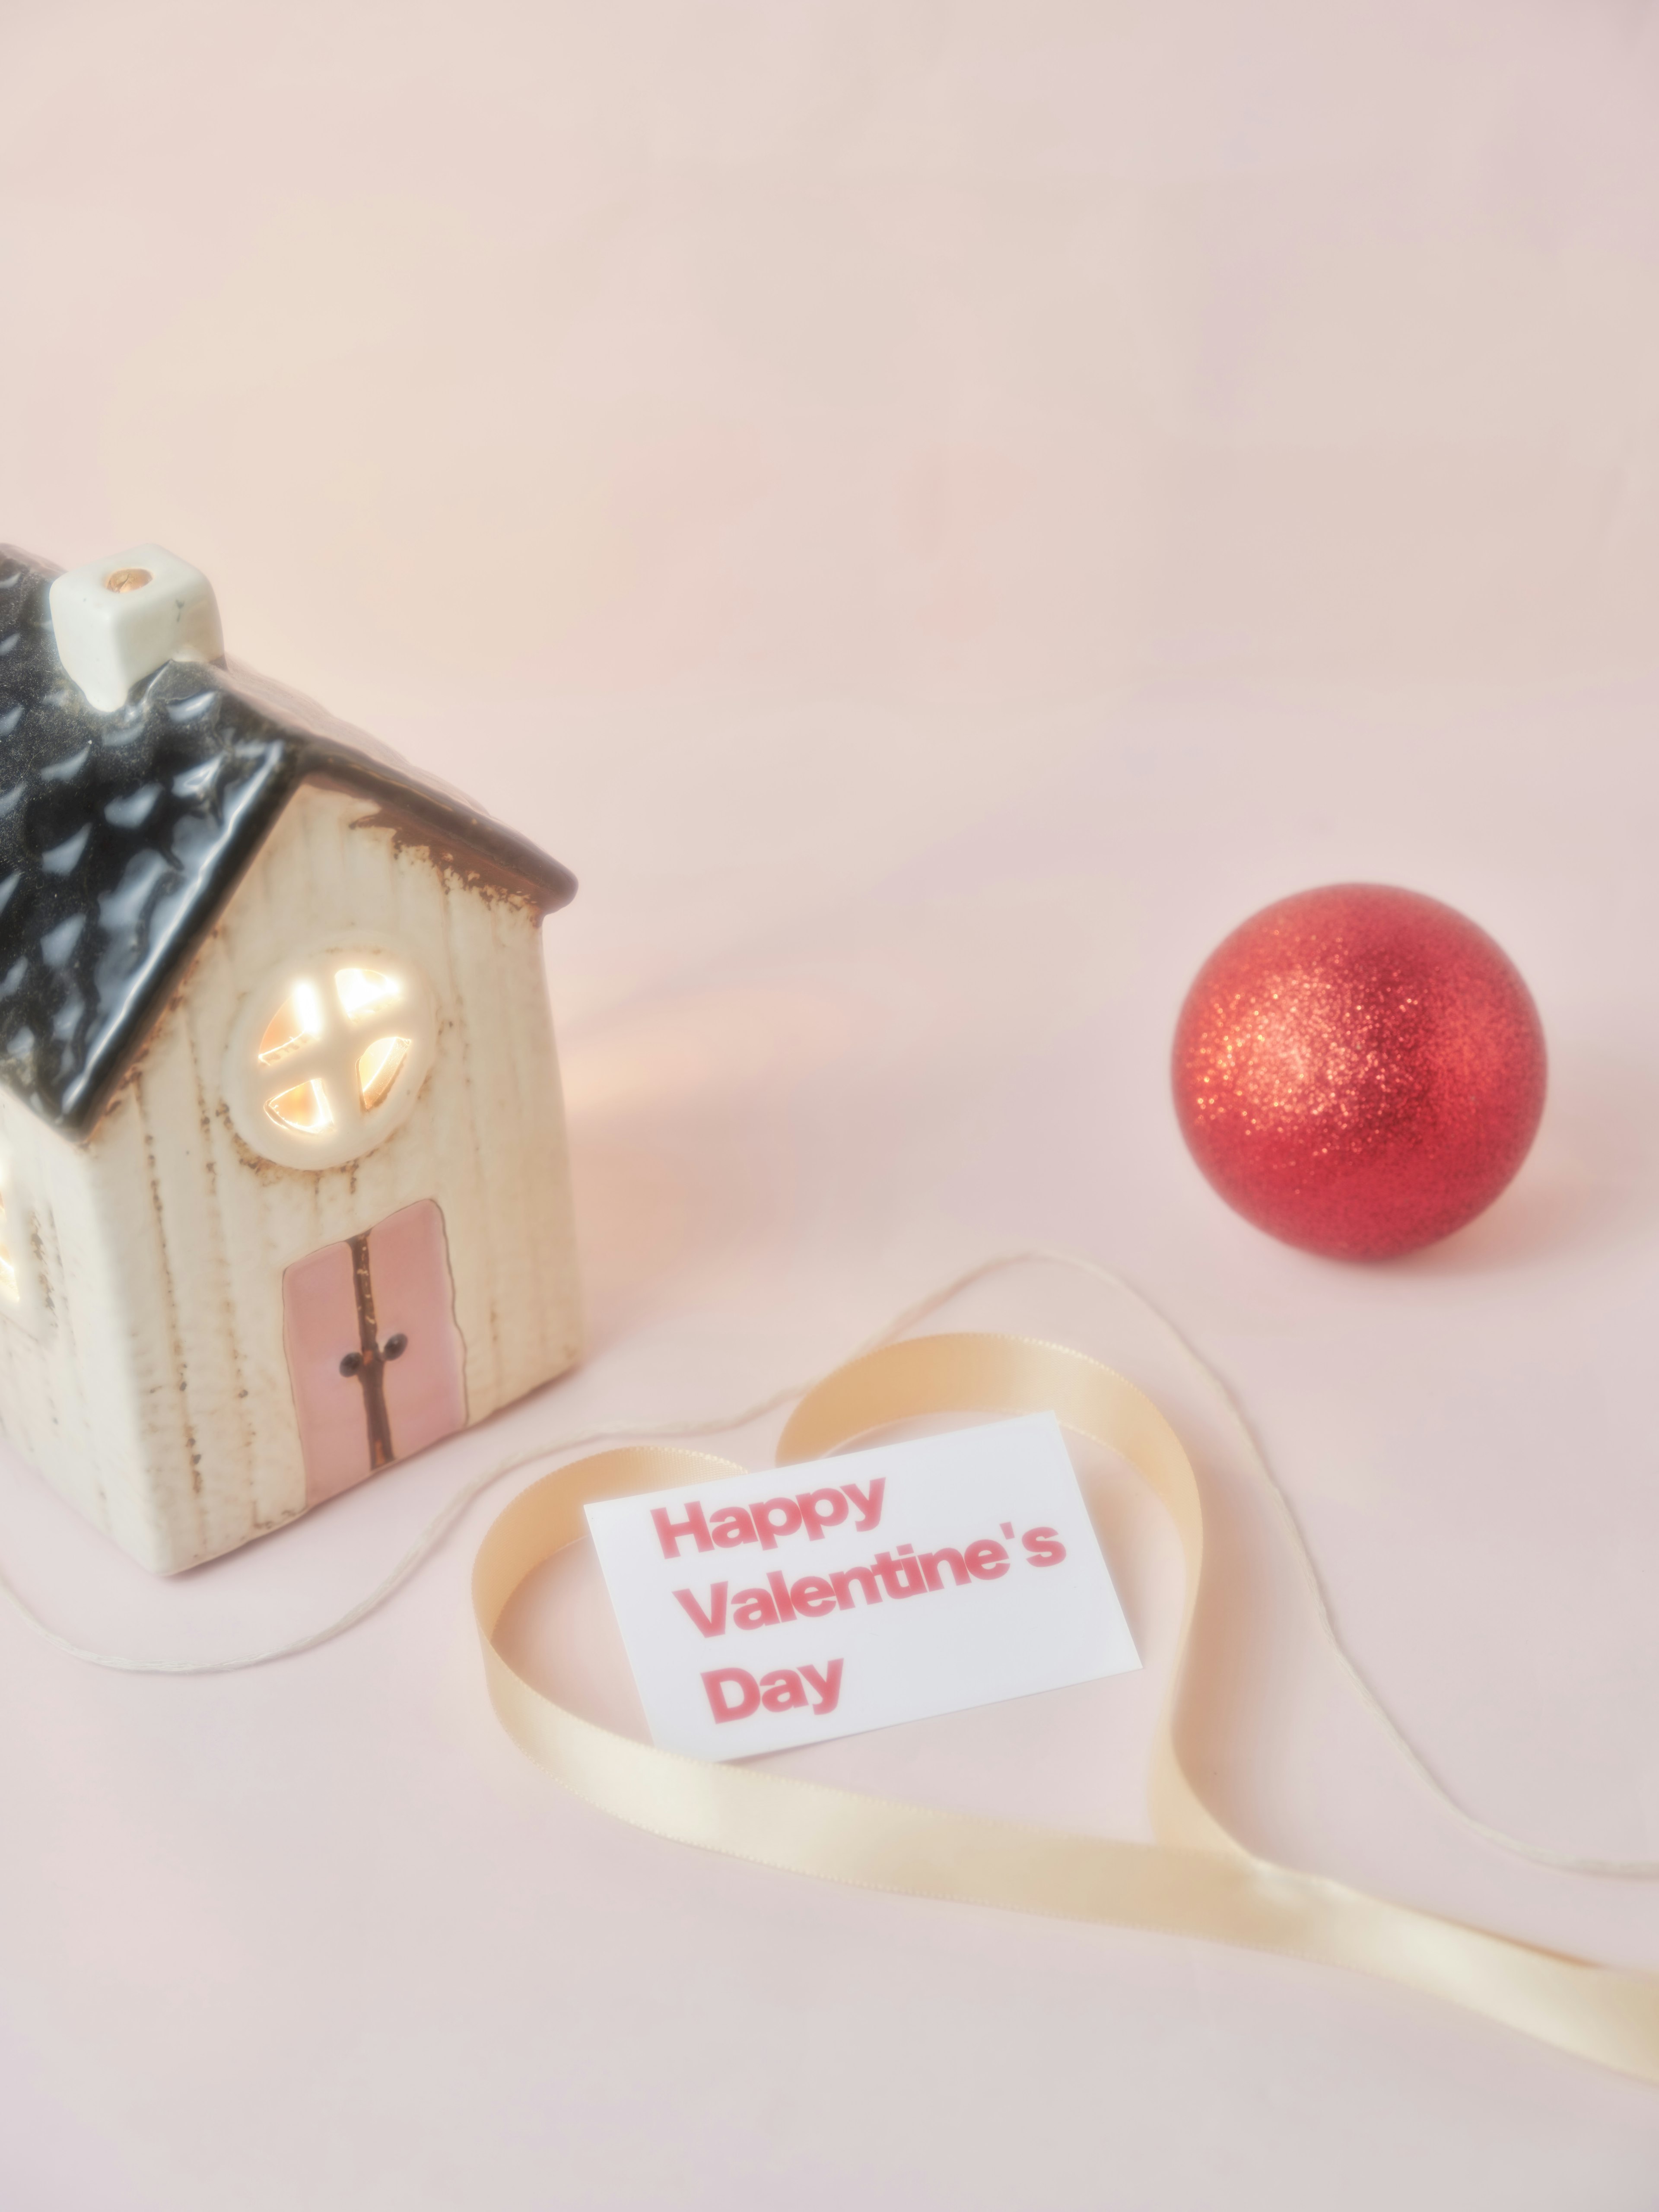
column 1358, row 1071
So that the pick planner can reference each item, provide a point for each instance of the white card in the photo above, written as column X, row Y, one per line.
column 766, row 1610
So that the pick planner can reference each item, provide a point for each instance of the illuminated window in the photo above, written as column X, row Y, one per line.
column 326, row 1060
column 298, row 1021
column 379, row 1069
column 365, row 991
column 305, row 1106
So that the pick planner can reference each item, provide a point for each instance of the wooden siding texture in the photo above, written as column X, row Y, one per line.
column 155, row 1391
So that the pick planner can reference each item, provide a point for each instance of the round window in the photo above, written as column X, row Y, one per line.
column 327, row 1059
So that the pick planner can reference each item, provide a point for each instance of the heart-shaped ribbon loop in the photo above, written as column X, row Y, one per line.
column 1198, row 1880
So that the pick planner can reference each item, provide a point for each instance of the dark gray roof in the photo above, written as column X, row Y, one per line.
column 122, row 836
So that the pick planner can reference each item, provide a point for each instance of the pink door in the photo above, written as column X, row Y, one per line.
column 374, row 1356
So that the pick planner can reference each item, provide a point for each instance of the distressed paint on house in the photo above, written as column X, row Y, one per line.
column 144, row 1371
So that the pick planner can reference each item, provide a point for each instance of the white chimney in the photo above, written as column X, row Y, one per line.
column 117, row 621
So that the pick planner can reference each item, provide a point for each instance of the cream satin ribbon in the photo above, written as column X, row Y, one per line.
column 1196, row 1881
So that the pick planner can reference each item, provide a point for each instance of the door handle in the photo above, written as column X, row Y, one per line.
column 394, row 1348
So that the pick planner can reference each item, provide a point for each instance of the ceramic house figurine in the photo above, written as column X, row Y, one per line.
column 283, row 1187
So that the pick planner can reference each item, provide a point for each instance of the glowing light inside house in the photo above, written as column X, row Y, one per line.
column 337, row 1067
column 379, row 1069
column 297, row 1021
column 305, row 1108
column 364, row 991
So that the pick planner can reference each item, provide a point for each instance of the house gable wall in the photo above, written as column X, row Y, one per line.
column 184, row 1233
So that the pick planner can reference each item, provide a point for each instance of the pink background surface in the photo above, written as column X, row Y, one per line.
column 935, row 514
